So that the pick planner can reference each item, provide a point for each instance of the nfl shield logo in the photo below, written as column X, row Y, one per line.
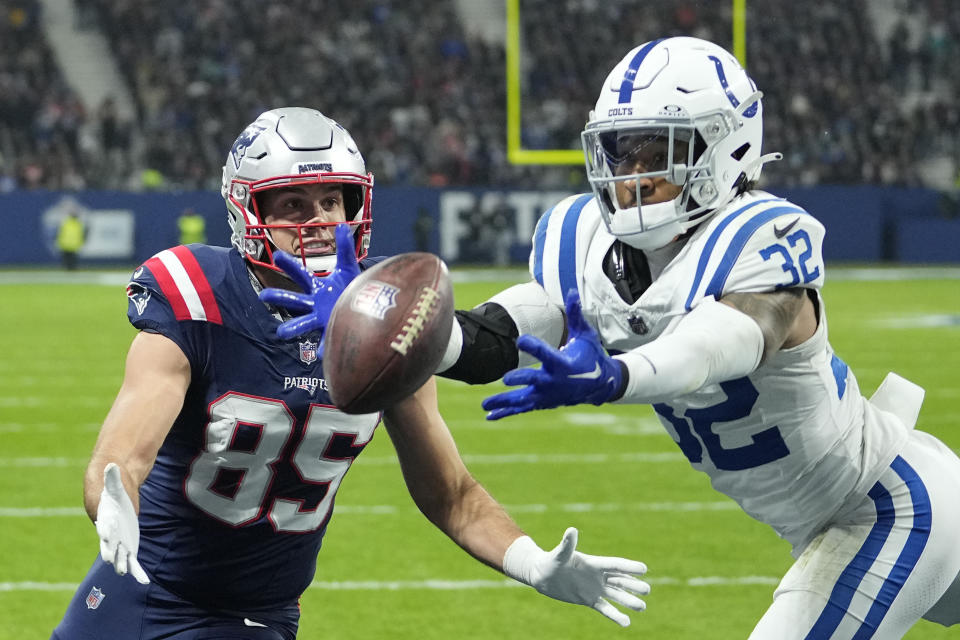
column 637, row 324
column 94, row 598
column 308, row 352
column 375, row 299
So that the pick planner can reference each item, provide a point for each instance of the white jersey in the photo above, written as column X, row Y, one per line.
column 787, row 442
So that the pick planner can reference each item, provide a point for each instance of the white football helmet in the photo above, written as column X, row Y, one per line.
column 293, row 145
column 678, row 108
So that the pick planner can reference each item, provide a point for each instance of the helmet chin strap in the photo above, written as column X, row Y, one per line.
column 654, row 239
column 322, row 263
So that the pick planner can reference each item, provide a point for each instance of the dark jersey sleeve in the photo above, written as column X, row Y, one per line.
column 156, row 303
column 370, row 261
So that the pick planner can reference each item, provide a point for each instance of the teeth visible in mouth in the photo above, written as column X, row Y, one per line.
column 314, row 248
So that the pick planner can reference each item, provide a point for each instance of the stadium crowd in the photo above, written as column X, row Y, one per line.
column 40, row 117
column 851, row 105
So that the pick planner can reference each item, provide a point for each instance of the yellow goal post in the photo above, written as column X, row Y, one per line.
column 516, row 154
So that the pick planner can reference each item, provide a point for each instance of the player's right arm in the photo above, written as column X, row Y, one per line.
column 483, row 343
column 154, row 385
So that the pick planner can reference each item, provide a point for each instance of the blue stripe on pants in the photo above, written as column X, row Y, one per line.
column 852, row 576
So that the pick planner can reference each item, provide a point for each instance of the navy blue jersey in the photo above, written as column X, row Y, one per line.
column 234, row 511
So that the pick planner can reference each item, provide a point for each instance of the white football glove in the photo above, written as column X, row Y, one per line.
column 117, row 527
column 568, row 575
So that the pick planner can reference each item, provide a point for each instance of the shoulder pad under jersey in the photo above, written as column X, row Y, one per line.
column 560, row 243
column 757, row 244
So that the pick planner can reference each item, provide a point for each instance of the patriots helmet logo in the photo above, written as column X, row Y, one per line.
column 243, row 142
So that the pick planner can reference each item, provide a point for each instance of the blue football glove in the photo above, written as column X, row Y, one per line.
column 580, row 371
column 322, row 293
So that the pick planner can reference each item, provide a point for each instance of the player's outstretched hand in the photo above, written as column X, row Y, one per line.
column 118, row 528
column 316, row 304
column 568, row 575
column 578, row 372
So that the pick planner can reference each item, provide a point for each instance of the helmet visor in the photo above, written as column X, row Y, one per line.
column 647, row 151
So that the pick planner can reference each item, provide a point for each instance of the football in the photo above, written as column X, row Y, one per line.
column 387, row 332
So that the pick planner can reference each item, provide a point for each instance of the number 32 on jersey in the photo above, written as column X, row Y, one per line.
column 798, row 268
column 766, row 446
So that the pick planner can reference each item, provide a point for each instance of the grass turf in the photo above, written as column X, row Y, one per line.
column 384, row 570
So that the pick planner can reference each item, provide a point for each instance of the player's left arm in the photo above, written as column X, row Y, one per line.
column 717, row 341
column 439, row 482
column 449, row 496
column 768, row 303
column 786, row 318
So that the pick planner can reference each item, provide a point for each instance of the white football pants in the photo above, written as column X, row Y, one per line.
column 883, row 566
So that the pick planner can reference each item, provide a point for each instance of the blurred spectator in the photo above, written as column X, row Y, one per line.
column 41, row 118
column 851, row 103
column 423, row 229
column 113, row 136
column 192, row 227
column 70, row 238
column 8, row 181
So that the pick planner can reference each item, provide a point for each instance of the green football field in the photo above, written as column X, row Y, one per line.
column 384, row 571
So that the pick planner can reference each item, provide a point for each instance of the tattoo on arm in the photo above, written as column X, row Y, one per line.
column 774, row 312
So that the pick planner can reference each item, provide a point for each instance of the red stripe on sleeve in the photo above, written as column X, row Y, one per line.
column 169, row 288
column 200, row 283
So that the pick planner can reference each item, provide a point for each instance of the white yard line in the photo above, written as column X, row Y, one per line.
column 41, row 512
column 893, row 273
column 470, row 459
column 52, row 400
column 390, row 510
column 918, row 321
column 439, row 584
column 42, row 462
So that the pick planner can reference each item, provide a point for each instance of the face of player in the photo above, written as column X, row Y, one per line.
column 642, row 154
column 308, row 204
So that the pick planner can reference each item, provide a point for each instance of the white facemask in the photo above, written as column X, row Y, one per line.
column 658, row 220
